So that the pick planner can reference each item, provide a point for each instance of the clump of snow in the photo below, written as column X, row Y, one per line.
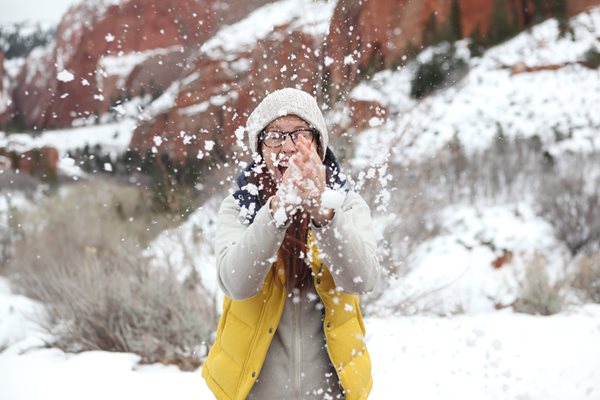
column 280, row 216
column 65, row 76
column 209, row 145
column 332, row 199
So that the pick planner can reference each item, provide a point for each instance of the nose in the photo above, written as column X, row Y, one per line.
column 288, row 145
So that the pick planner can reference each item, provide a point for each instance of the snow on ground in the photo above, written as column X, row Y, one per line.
column 453, row 270
column 306, row 15
column 114, row 138
column 559, row 106
column 490, row 356
column 121, row 65
column 16, row 314
column 501, row 355
column 190, row 246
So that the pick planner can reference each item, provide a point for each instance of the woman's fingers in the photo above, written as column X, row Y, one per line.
column 308, row 178
column 304, row 147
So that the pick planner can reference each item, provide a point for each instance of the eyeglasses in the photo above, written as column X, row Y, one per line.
column 277, row 138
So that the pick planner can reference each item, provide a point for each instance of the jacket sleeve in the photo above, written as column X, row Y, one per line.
column 347, row 244
column 245, row 253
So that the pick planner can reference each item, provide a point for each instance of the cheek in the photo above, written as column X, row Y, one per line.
column 313, row 146
column 270, row 157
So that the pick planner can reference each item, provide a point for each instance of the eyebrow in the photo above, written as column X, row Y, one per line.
column 277, row 128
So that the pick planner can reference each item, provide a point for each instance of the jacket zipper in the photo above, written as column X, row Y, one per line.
column 297, row 351
column 325, row 317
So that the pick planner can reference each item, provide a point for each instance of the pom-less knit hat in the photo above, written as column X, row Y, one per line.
column 283, row 102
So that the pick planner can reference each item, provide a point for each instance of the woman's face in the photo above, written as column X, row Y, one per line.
column 277, row 158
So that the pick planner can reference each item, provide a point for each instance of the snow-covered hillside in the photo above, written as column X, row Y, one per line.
column 489, row 98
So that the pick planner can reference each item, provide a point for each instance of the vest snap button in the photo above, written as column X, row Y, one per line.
column 329, row 324
column 319, row 280
column 253, row 374
column 270, row 330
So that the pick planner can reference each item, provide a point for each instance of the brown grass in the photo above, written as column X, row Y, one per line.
column 81, row 255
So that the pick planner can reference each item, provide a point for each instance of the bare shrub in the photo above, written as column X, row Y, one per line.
column 415, row 216
column 502, row 172
column 570, row 201
column 81, row 256
column 15, row 187
column 537, row 293
column 9, row 229
column 587, row 277
column 18, row 182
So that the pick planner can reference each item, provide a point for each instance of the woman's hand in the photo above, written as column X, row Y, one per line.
column 310, row 181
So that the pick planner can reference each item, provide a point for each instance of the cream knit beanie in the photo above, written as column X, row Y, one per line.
column 283, row 102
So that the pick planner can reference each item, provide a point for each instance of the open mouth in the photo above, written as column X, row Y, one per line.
column 281, row 169
column 282, row 166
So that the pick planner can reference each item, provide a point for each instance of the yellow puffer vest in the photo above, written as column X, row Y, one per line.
column 246, row 328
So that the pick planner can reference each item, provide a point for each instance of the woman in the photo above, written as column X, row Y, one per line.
column 291, row 263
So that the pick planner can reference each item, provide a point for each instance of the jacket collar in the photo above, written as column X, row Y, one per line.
column 247, row 195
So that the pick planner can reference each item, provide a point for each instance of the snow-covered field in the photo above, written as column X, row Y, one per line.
column 501, row 355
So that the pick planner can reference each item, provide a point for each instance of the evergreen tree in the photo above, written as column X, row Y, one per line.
column 456, row 21
column 538, row 12
column 559, row 10
column 501, row 27
column 430, row 32
column 476, row 45
column 14, row 43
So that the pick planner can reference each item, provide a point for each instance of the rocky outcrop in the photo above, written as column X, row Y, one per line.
column 5, row 94
column 363, row 37
column 35, row 89
column 370, row 35
column 110, row 51
column 216, row 98
column 365, row 114
column 42, row 162
column 144, row 41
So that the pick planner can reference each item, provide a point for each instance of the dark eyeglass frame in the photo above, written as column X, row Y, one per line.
column 292, row 134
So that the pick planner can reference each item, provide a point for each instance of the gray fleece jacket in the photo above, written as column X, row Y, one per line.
column 297, row 365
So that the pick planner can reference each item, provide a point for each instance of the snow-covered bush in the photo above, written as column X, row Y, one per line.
column 81, row 256
column 591, row 58
column 538, row 293
column 442, row 69
column 16, row 187
column 9, row 229
column 587, row 277
column 569, row 200
column 17, row 40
